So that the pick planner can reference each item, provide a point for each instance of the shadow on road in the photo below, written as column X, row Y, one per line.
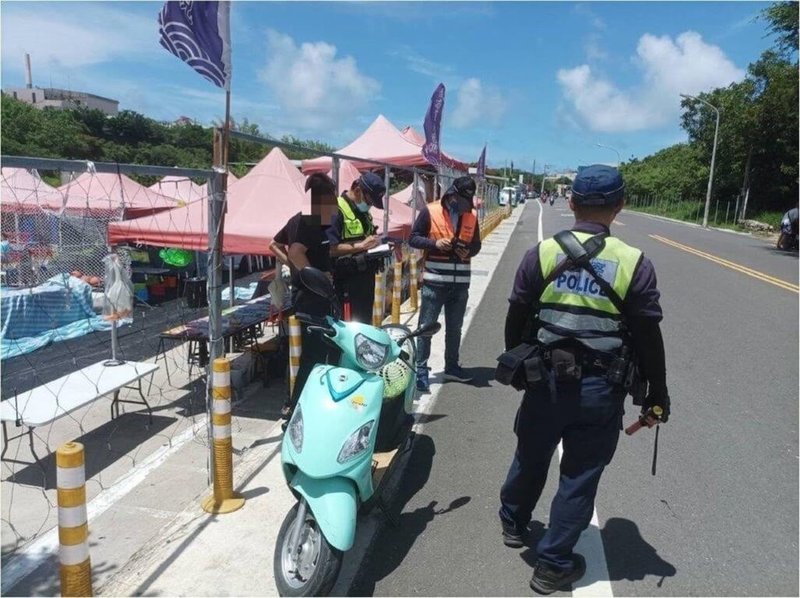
column 629, row 556
column 785, row 252
column 392, row 545
column 482, row 377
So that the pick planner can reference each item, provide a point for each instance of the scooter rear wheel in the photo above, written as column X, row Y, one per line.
column 316, row 566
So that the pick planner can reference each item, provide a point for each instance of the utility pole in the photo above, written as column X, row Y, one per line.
column 713, row 156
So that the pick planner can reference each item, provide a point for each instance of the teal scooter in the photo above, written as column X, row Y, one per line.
column 351, row 423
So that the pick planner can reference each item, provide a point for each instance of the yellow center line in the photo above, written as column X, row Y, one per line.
column 732, row 265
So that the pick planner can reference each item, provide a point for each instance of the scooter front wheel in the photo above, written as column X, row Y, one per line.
column 304, row 563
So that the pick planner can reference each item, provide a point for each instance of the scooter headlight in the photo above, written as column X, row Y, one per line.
column 295, row 430
column 370, row 354
column 356, row 444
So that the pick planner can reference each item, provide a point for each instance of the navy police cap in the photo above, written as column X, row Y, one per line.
column 598, row 185
column 373, row 185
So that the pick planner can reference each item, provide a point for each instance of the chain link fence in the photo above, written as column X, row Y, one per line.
column 721, row 212
column 59, row 381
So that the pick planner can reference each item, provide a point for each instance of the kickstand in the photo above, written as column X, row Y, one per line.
column 390, row 518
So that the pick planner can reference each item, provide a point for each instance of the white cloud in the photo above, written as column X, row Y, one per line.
column 476, row 103
column 594, row 51
column 66, row 36
column 314, row 88
column 669, row 67
column 424, row 66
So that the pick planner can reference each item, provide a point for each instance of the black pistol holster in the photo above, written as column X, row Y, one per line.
column 521, row 367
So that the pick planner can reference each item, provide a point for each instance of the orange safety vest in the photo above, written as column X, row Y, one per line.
column 448, row 268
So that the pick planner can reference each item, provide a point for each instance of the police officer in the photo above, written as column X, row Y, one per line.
column 585, row 329
column 449, row 233
column 351, row 235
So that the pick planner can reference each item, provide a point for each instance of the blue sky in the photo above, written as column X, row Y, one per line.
column 536, row 80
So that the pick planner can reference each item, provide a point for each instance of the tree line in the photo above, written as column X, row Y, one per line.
column 757, row 149
column 129, row 137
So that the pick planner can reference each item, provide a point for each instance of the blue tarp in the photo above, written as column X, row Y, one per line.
column 56, row 310
column 242, row 293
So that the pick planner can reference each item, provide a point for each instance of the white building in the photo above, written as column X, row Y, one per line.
column 49, row 97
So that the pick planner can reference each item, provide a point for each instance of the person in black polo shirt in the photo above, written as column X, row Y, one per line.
column 302, row 242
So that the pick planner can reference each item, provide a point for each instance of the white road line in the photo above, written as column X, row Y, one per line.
column 34, row 554
column 596, row 580
column 539, row 227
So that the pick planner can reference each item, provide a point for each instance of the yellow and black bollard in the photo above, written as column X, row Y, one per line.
column 73, row 527
column 224, row 499
column 295, row 350
column 378, row 304
column 397, row 291
column 413, row 299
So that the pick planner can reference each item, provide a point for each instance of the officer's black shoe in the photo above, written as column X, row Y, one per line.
column 547, row 579
column 513, row 536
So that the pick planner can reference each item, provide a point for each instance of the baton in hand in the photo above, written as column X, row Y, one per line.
column 649, row 419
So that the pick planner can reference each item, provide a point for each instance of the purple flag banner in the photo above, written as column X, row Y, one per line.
column 433, row 126
column 482, row 164
column 199, row 33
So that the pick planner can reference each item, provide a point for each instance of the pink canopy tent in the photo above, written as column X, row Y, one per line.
column 108, row 192
column 406, row 196
column 383, row 142
column 348, row 173
column 182, row 189
column 23, row 192
column 258, row 207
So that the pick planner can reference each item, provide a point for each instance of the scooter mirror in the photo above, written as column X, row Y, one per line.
column 317, row 282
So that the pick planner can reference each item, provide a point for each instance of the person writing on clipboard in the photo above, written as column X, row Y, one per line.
column 351, row 236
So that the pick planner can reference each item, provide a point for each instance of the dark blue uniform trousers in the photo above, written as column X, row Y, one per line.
column 586, row 417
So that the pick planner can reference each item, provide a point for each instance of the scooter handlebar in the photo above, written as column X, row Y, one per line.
column 309, row 319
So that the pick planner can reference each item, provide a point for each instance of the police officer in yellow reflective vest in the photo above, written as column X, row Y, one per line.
column 351, row 235
column 589, row 304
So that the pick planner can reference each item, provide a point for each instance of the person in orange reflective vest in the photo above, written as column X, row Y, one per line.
column 448, row 231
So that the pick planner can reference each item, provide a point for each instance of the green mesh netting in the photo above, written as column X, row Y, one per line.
column 396, row 378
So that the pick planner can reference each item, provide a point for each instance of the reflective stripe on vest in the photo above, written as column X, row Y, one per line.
column 574, row 307
column 450, row 268
column 353, row 228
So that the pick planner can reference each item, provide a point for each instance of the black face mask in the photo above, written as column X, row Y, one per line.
column 463, row 204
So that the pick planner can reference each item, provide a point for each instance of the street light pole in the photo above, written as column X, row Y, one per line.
column 713, row 157
column 619, row 158
column 544, row 176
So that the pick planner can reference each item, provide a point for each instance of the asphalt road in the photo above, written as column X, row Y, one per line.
column 721, row 516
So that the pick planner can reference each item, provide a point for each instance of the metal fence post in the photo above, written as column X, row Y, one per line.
column 386, row 172
column 335, row 173
column 216, row 225
column 716, row 211
column 736, row 210
column 727, row 211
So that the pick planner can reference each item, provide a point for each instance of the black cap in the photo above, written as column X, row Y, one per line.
column 321, row 182
column 372, row 185
column 463, row 186
column 598, row 185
